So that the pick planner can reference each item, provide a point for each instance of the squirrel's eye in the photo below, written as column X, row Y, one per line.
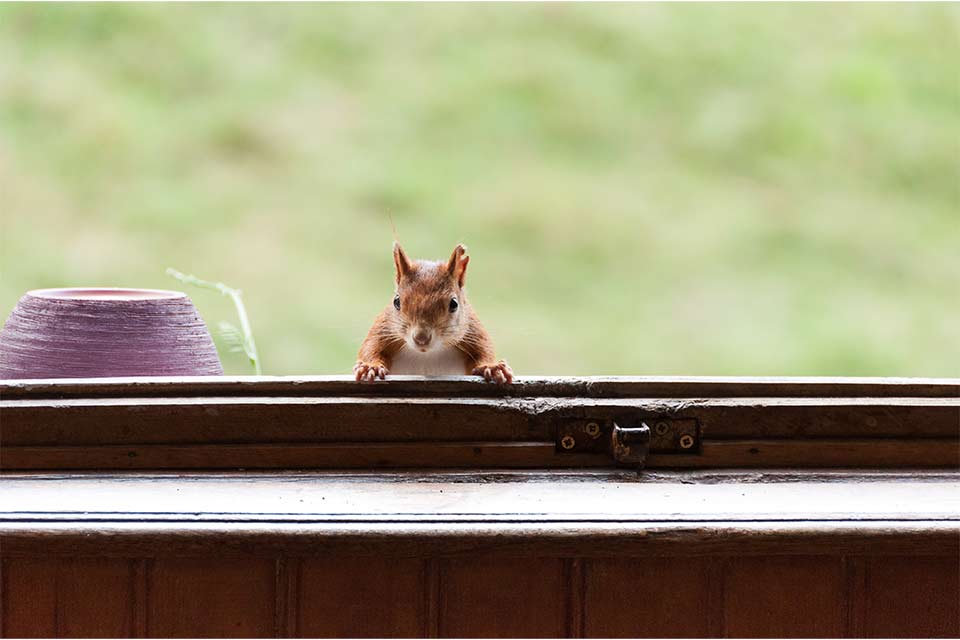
column 453, row 304
column 396, row 303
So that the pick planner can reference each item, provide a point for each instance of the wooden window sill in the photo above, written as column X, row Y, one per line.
column 290, row 513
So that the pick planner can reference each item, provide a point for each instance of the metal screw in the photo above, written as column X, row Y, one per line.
column 567, row 442
column 661, row 428
column 686, row 441
column 593, row 429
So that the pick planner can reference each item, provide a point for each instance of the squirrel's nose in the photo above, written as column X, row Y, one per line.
column 421, row 338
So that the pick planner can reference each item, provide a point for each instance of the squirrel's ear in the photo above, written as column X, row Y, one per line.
column 457, row 266
column 401, row 261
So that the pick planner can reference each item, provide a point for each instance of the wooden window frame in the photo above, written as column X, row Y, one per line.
column 332, row 422
column 322, row 507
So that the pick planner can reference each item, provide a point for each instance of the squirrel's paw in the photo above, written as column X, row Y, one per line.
column 499, row 372
column 369, row 372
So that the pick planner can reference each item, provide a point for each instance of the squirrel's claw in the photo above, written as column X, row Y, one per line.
column 369, row 372
column 501, row 373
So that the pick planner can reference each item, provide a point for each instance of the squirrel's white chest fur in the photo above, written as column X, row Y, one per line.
column 439, row 361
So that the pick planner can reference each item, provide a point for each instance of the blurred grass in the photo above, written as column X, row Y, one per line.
column 645, row 189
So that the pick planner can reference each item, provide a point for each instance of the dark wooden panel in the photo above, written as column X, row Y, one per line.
column 95, row 598
column 30, row 597
column 211, row 597
column 454, row 539
column 264, row 420
column 485, row 597
column 792, row 597
column 829, row 418
column 878, row 452
column 299, row 456
column 912, row 597
column 650, row 598
column 875, row 453
column 357, row 432
column 140, row 586
column 470, row 386
column 576, row 582
column 362, row 598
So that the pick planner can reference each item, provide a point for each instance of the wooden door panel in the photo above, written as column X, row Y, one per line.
column 95, row 598
column 801, row 596
column 653, row 598
column 486, row 597
column 77, row 598
column 200, row 597
column 912, row 597
column 361, row 598
column 787, row 596
column 29, row 598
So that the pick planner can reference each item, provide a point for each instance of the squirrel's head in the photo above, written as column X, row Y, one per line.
column 429, row 303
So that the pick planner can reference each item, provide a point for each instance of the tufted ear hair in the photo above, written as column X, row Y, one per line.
column 401, row 261
column 457, row 266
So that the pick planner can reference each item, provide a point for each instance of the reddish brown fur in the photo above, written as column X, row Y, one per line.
column 425, row 289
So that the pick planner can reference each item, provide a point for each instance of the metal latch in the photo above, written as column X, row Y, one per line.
column 628, row 439
column 630, row 445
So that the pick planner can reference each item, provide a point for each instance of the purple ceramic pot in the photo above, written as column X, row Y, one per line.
column 97, row 333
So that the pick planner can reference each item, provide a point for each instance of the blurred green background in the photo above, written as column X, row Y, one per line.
column 645, row 189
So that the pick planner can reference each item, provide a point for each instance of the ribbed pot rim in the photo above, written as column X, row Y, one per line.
column 105, row 294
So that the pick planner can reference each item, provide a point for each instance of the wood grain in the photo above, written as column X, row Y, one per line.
column 508, row 540
column 404, row 455
column 30, row 597
column 469, row 386
column 358, row 432
column 772, row 475
column 941, row 453
column 854, row 599
column 211, row 597
column 287, row 597
column 487, row 597
column 263, row 420
column 248, row 497
column 574, row 577
column 911, row 597
column 140, row 588
column 95, row 598
column 266, row 420
column 829, row 418
column 362, row 598
column 649, row 598
column 794, row 597
column 933, row 453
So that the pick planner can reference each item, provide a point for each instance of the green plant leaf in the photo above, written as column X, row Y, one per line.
column 236, row 339
column 232, row 338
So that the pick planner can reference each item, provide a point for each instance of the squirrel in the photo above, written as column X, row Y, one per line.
column 429, row 328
